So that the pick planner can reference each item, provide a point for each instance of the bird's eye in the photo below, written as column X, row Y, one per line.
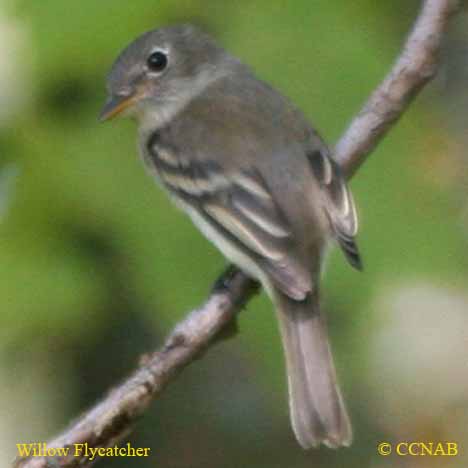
column 157, row 61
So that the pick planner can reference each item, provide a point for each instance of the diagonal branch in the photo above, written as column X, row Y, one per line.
column 112, row 419
column 416, row 65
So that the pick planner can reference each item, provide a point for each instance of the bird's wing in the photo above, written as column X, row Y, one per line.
column 241, row 208
column 338, row 204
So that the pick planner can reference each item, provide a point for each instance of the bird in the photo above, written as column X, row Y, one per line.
column 259, row 182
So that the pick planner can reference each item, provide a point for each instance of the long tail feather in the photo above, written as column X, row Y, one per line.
column 318, row 414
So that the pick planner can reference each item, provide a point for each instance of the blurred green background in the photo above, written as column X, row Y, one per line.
column 96, row 265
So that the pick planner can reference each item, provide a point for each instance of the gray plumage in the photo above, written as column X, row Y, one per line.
column 259, row 182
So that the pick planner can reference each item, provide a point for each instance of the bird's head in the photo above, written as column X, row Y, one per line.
column 159, row 72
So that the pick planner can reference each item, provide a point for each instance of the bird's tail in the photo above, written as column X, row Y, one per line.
column 318, row 414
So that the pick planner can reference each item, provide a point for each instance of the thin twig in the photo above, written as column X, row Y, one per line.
column 416, row 65
column 112, row 419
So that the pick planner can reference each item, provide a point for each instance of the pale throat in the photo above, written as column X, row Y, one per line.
column 153, row 115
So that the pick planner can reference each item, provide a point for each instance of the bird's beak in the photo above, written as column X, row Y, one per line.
column 116, row 104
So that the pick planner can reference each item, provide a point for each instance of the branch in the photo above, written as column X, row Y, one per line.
column 111, row 419
column 416, row 65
